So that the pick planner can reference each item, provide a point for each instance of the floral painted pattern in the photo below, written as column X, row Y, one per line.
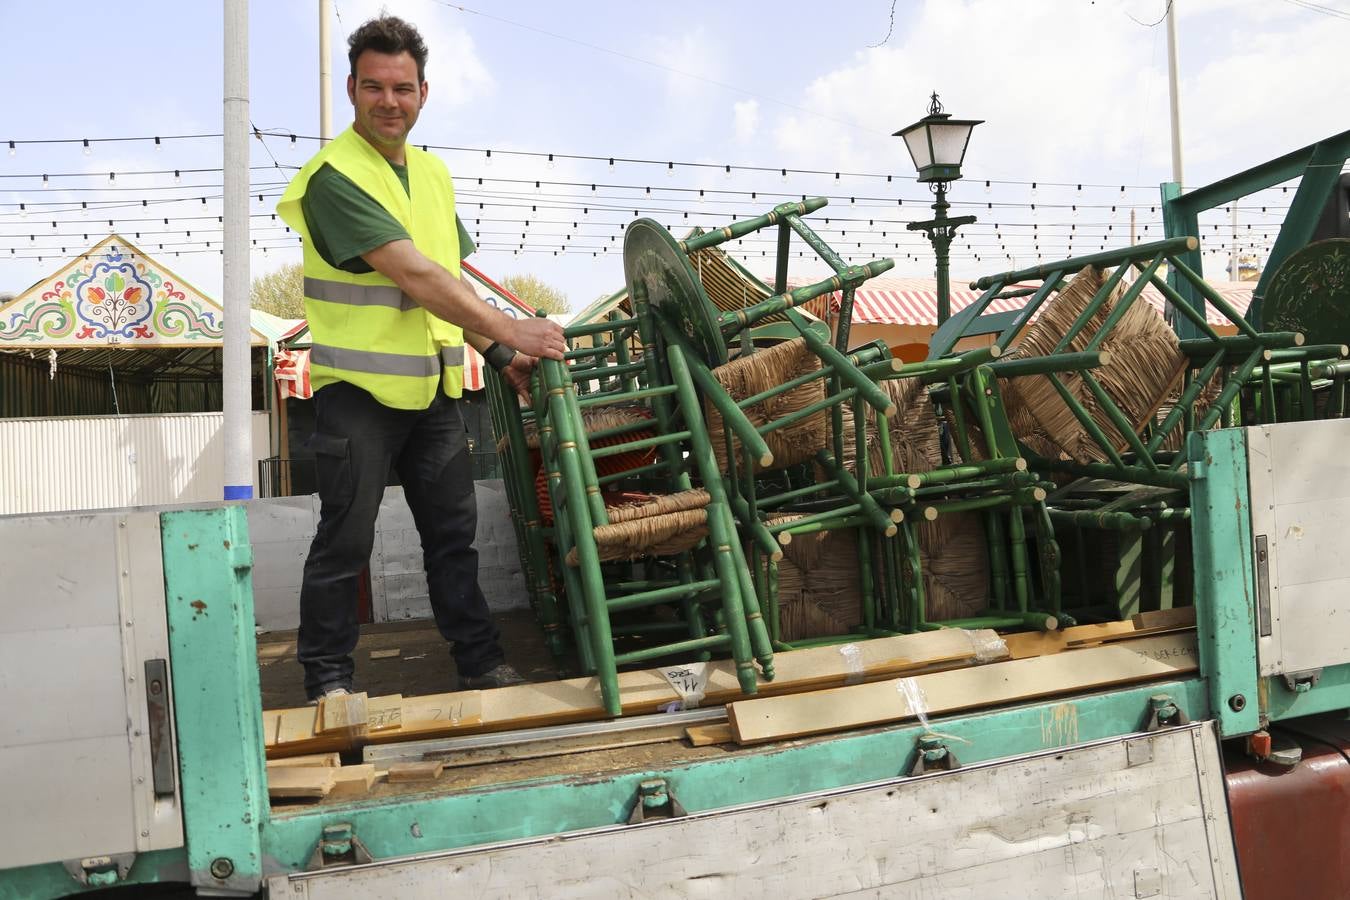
column 116, row 295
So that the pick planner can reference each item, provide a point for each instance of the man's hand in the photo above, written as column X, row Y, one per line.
column 517, row 375
column 538, row 336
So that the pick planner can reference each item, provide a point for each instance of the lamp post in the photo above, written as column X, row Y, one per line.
column 937, row 144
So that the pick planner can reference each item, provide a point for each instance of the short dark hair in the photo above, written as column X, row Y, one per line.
column 388, row 34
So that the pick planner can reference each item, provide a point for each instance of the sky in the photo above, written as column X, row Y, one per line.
column 1073, row 94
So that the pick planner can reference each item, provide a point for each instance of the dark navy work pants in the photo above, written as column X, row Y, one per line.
column 356, row 442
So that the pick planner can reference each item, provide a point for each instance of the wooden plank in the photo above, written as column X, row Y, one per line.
column 1130, row 636
column 428, row 770
column 385, row 654
column 1042, row 643
column 647, row 691
column 332, row 760
column 300, row 781
column 384, row 713
column 1127, row 662
column 353, row 781
column 1164, row 618
column 705, row 735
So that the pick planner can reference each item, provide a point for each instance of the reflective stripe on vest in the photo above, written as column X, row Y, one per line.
column 385, row 363
column 373, row 362
column 358, row 294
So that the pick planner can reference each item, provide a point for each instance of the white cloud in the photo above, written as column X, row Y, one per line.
column 745, row 114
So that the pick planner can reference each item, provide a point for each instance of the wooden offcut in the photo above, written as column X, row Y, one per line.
column 300, row 782
column 780, row 718
column 345, row 713
column 332, row 760
column 706, row 735
column 428, row 770
column 353, row 781
column 1164, row 618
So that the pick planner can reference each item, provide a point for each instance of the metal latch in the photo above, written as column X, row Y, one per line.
column 161, row 734
column 654, row 801
column 1302, row 682
column 1163, row 712
column 338, row 846
column 933, row 755
column 100, row 871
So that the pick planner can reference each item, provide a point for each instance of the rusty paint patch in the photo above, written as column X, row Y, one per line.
column 227, row 545
column 199, row 606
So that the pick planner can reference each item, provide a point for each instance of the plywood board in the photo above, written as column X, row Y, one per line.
column 300, row 781
column 1127, row 662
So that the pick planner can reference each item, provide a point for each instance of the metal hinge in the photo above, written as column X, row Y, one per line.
column 1302, row 682
column 931, row 755
column 338, row 846
column 1163, row 712
column 654, row 801
column 100, row 871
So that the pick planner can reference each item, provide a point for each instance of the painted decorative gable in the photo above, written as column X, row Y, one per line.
column 114, row 293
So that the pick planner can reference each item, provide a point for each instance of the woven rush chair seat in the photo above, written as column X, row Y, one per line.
column 595, row 421
column 1145, row 368
column 818, row 584
column 661, row 525
column 749, row 375
column 913, row 431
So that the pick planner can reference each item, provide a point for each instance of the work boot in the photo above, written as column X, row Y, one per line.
column 499, row 676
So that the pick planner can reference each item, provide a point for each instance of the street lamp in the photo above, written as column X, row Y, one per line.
column 937, row 144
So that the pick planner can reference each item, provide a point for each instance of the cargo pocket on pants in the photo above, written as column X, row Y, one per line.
column 333, row 467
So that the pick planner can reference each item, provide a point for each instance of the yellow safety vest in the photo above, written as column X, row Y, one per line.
column 364, row 330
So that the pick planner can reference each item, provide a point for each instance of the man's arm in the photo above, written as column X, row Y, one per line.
column 445, row 296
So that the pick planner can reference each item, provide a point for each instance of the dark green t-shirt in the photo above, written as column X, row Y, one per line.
column 346, row 222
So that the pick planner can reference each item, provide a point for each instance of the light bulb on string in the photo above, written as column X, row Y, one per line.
column 611, row 165
column 177, row 176
column 87, row 149
column 783, row 173
column 158, row 144
column 23, row 211
column 550, row 160
column 1033, row 190
column 670, row 170
column 987, row 188
column 727, row 173
column 45, row 182
column 12, row 149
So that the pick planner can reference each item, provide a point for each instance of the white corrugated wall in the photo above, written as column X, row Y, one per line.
column 96, row 462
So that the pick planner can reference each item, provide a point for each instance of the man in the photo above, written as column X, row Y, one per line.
column 389, row 314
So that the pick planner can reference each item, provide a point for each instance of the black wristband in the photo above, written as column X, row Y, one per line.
column 498, row 355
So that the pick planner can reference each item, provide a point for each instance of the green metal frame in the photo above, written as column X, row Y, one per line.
column 1319, row 165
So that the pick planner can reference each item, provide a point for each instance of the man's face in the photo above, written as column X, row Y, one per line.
column 386, row 96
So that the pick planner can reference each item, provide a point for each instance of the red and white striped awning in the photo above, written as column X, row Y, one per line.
column 913, row 301
column 290, row 366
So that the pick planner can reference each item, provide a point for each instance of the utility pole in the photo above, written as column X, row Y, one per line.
column 1173, row 91
column 325, row 74
column 235, row 369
